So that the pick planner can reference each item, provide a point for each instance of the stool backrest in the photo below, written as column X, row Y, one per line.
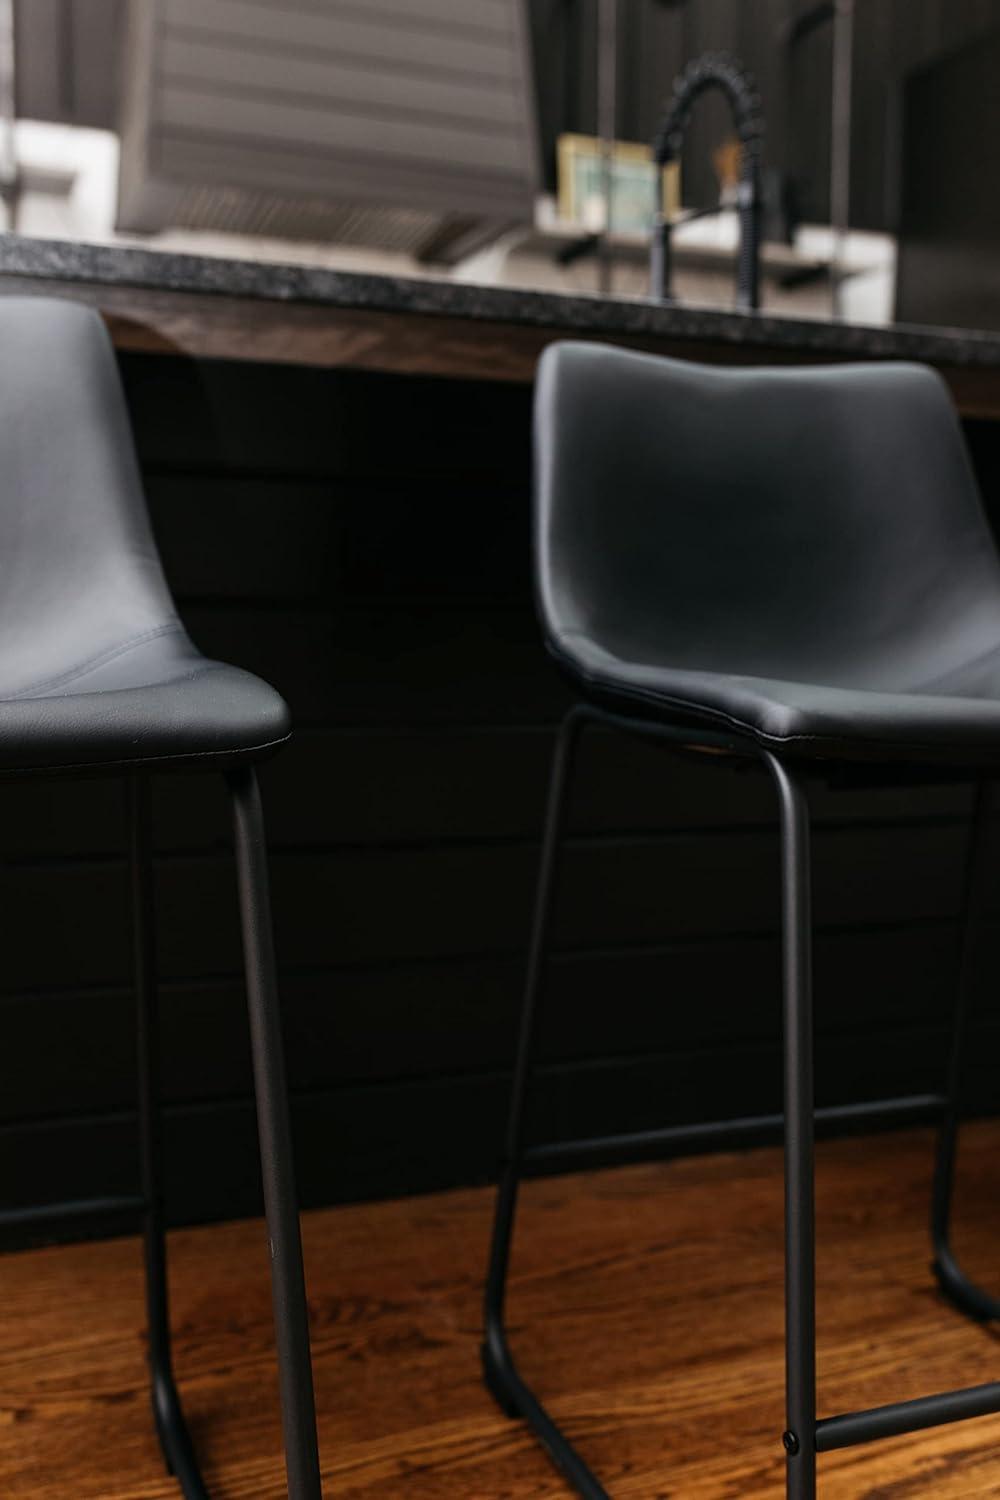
column 79, row 572
column 814, row 523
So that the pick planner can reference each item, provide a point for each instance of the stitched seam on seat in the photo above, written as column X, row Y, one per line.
column 647, row 695
column 240, row 752
column 703, row 711
column 175, row 628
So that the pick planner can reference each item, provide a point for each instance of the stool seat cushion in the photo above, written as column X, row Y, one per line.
column 798, row 557
column 804, row 718
column 154, row 700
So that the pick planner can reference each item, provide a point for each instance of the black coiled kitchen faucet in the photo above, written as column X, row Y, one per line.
column 722, row 71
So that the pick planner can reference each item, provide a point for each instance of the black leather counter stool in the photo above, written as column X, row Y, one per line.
column 98, row 676
column 791, row 565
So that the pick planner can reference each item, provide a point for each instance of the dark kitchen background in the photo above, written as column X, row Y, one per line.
column 360, row 539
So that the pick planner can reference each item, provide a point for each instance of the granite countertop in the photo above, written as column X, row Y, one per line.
column 580, row 313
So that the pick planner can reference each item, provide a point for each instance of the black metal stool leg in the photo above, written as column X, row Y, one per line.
column 800, row 1234
column 291, row 1321
column 499, row 1370
column 964, row 1293
column 168, row 1414
column 804, row 1437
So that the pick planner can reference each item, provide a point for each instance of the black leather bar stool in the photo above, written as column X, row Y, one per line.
column 791, row 565
column 98, row 676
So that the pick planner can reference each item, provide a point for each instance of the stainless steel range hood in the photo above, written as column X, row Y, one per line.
column 407, row 124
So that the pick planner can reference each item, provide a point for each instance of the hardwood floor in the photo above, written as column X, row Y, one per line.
column 646, row 1306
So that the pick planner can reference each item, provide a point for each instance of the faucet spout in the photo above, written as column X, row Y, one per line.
column 714, row 70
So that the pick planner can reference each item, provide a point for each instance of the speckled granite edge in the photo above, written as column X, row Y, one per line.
column 580, row 314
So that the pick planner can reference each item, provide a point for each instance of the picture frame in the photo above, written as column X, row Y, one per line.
column 581, row 168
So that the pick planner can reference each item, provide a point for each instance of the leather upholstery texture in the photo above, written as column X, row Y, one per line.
column 796, row 555
column 96, row 669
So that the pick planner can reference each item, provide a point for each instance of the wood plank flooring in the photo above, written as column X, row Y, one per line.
column 646, row 1306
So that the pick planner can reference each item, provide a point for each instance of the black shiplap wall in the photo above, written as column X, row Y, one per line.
column 362, row 541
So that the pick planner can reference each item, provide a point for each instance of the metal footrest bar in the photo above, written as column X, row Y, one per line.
column 719, row 1133
column 907, row 1416
column 74, row 1208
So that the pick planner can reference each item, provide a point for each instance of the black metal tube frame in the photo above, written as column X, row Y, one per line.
column 287, row 1277
column 804, row 1437
column 956, row 1285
